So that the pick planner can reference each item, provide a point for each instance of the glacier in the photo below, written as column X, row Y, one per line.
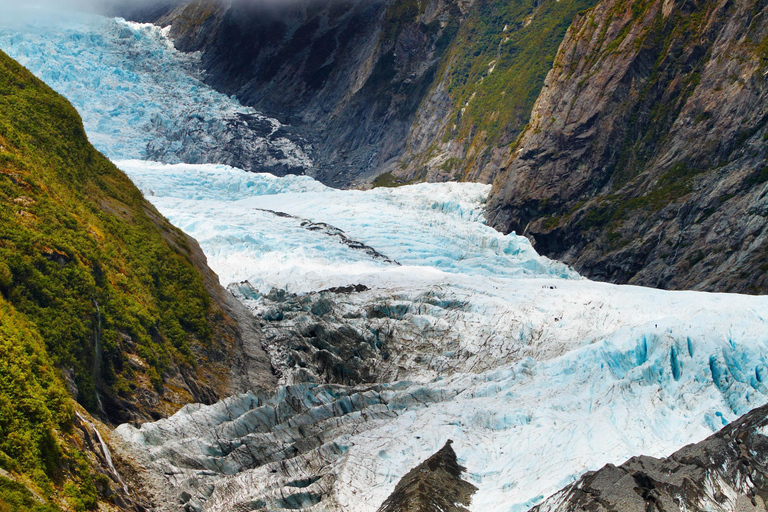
column 535, row 373
column 141, row 98
column 395, row 318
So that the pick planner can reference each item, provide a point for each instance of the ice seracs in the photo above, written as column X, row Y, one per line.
column 536, row 374
column 140, row 98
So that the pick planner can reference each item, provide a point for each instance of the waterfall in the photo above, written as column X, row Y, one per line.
column 105, row 451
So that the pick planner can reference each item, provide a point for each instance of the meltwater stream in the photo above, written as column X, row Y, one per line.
column 395, row 317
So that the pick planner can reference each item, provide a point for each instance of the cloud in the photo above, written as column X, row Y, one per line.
column 128, row 8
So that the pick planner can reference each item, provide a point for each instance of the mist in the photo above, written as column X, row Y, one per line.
column 110, row 7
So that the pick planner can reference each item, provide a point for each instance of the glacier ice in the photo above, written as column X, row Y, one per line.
column 140, row 98
column 535, row 373
column 430, row 226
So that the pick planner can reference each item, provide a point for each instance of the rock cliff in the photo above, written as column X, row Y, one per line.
column 404, row 90
column 348, row 76
column 725, row 472
column 645, row 157
column 484, row 90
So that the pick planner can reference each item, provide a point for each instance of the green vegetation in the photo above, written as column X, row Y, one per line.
column 399, row 14
column 611, row 210
column 81, row 256
column 388, row 180
column 89, row 272
column 15, row 497
column 758, row 177
column 450, row 164
column 762, row 51
column 495, row 75
column 36, row 416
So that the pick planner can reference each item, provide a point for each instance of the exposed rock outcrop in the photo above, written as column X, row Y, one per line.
column 348, row 75
column 645, row 158
column 488, row 80
column 726, row 472
column 435, row 485
column 420, row 91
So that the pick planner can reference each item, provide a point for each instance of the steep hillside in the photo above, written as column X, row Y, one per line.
column 645, row 158
column 348, row 75
column 123, row 302
column 725, row 472
column 484, row 90
column 412, row 91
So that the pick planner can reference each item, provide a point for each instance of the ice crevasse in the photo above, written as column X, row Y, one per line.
column 535, row 373
column 139, row 97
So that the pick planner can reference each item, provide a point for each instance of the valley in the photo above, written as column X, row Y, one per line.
column 357, row 331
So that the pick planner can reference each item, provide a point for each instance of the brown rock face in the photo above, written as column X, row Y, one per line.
column 348, row 76
column 645, row 158
column 435, row 485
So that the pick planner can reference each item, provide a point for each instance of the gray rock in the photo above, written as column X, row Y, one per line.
column 644, row 161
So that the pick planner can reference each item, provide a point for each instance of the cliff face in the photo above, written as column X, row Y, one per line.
column 484, row 90
column 725, row 472
column 348, row 76
column 645, row 158
column 412, row 91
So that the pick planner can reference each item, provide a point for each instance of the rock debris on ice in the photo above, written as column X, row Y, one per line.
column 536, row 374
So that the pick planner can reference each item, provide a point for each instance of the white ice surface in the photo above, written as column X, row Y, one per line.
column 607, row 371
column 431, row 226
column 133, row 89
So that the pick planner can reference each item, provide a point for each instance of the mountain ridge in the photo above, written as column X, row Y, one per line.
column 103, row 302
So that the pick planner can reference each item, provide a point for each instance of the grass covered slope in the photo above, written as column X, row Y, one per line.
column 487, row 84
column 107, row 283
column 102, row 301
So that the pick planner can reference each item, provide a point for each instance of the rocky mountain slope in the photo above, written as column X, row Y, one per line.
column 347, row 75
column 727, row 471
column 645, row 158
column 484, row 90
column 432, row 486
column 102, row 300
column 433, row 90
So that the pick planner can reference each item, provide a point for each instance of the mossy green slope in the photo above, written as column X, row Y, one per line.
column 491, row 75
column 81, row 255
column 92, row 278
